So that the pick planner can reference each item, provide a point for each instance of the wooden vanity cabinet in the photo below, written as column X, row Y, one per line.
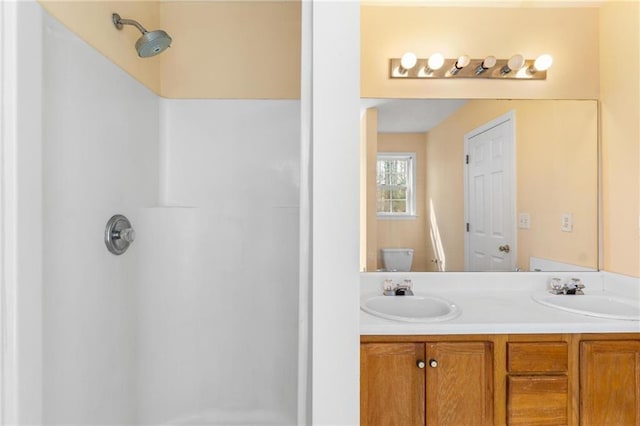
column 426, row 383
column 610, row 382
column 524, row 379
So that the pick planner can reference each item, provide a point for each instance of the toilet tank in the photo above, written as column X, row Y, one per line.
column 397, row 259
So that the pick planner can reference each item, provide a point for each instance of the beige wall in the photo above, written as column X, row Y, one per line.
column 556, row 172
column 570, row 35
column 620, row 133
column 232, row 49
column 220, row 49
column 368, row 151
column 395, row 233
column 444, row 192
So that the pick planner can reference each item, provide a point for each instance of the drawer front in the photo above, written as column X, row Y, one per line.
column 537, row 357
column 537, row 400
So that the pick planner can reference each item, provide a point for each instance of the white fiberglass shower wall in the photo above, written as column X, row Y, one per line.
column 218, row 316
column 198, row 322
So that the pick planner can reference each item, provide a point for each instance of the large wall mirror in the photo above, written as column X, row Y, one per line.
column 495, row 184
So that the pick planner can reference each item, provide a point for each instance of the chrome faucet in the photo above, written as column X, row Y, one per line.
column 401, row 289
column 574, row 287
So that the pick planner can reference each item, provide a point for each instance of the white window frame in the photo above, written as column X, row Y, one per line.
column 411, row 185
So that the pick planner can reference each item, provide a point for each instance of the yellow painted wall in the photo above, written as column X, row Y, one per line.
column 411, row 233
column 569, row 34
column 620, row 133
column 91, row 21
column 232, row 49
column 370, row 124
column 220, row 49
column 444, row 192
column 556, row 172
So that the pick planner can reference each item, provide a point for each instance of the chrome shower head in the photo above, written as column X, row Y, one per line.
column 150, row 43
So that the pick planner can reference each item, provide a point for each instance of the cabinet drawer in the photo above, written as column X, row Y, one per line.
column 537, row 400
column 537, row 357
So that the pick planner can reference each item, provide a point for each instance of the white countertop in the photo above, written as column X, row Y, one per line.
column 499, row 303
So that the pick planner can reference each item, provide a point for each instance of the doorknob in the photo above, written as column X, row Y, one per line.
column 505, row 248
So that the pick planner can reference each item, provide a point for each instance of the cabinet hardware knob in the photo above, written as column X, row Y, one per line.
column 433, row 363
column 421, row 364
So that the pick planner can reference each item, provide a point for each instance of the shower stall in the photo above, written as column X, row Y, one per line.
column 207, row 317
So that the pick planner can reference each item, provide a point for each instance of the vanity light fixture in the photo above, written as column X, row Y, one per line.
column 438, row 66
column 488, row 63
column 461, row 62
column 513, row 64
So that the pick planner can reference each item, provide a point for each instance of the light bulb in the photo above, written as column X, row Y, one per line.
column 513, row 64
column 436, row 61
column 489, row 62
column 463, row 61
column 408, row 61
column 542, row 63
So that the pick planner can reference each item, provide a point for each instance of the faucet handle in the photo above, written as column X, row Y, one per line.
column 388, row 288
column 577, row 285
column 555, row 283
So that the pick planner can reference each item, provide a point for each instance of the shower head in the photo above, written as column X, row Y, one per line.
column 150, row 43
column 153, row 42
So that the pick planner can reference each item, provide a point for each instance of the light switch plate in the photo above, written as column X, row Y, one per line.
column 567, row 222
column 524, row 221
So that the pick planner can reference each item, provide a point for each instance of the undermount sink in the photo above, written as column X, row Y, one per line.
column 417, row 308
column 595, row 305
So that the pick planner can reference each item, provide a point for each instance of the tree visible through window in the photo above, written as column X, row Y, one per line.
column 395, row 184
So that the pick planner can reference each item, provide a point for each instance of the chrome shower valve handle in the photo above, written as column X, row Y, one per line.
column 118, row 234
column 128, row 235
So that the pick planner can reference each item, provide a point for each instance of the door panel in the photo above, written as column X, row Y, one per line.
column 610, row 383
column 460, row 386
column 392, row 386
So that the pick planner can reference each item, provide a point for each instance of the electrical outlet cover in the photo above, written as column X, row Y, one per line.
column 567, row 222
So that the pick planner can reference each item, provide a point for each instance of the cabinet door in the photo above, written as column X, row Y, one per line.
column 610, row 383
column 392, row 384
column 459, row 383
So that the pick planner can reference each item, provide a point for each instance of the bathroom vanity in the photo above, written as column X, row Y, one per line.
column 506, row 359
column 519, row 379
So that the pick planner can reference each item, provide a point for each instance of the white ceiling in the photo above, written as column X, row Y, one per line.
column 411, row 115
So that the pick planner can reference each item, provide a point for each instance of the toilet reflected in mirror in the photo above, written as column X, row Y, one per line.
column 397, row 259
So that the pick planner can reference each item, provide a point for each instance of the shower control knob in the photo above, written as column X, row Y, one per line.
column 421, row 364
column 118, row 234
column 433, row 363
column 127, row 234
